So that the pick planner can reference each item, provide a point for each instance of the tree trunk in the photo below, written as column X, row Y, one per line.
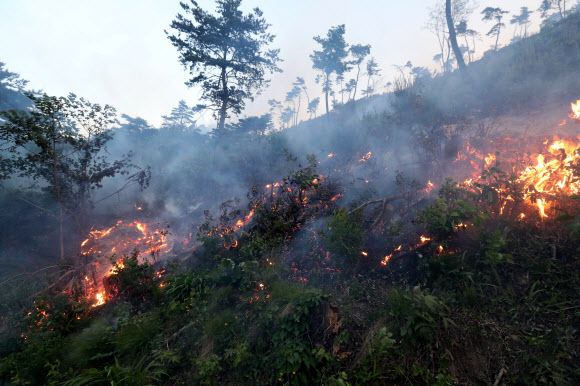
column 468, row 50
column 326, row 88
column 453, row 36
column 356, row 83
column 58, row 197
column 497, row 38
column 224, row 106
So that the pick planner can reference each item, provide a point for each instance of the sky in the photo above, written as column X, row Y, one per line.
column 116, row 51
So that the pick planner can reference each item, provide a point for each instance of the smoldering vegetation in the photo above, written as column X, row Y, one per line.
column 334, row 251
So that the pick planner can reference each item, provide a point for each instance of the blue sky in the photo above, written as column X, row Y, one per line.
column 115, row 51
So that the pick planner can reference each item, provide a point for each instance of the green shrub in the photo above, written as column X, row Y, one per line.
column 418, row 315
column 345, row 236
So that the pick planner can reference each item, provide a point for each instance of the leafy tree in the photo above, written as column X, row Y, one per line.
column 462, row 30
column 252, row 125
column 453, row 35
column 299, row 82
column 548, row 5
column 359, row 53
column 137, row 129
column 313, row 107
column 372, row 71
column 341, row 90
column 182, row 118
column 276, row 105
column 12, row 90
column 286, row 117
column 350, row 87
column 225, row 54
column 331, row 58
column 63, row 142
column 494, row 14
column 134, row 125
column 291, row 97
column 522, row 20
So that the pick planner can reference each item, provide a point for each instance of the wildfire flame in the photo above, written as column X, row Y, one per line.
column 386, row 259
column 120, row 239
column 123, row 237
column 552, row 175
column 243, row 222
column 549, row 177
column 365, row 157
column 100, row 297
column 575, row 114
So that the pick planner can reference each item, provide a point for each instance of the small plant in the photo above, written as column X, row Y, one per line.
column 451, row 210
column 572, row 222
column 142, row 373
column 209, row 369
column 133, row 280
column 345, row 236
column 378, row 349
column 418, row 314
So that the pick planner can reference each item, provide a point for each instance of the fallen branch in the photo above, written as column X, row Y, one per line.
column 33, row 273
column 498, row 378
column 54, row 284
column 385, row 201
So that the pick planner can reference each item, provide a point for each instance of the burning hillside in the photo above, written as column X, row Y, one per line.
column 429, row 235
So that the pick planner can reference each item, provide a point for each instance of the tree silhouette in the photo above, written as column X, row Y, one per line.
column 313, row 107
column 359, row 53
column 331, row 59
column 494, row 14
column 522, row 20
column 225, row 54
column 547, row 5
column 182, row 118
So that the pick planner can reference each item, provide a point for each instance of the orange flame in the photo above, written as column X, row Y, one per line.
column 335, row 197
column 243, row 222
column 575, row 114
column 365, row 157
column 100, row 297
column 386, row 259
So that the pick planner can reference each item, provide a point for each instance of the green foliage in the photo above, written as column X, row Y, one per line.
column 345, row 236
column 209, row 369
column 133, row 280
column 72, row 163
column 447, row 213
column 572, row 222
column 418, row 315
column 185, row 284
column 378, row 349
column 144, row 372
column 305, row 177
column 292, row 351
column 93, row 346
